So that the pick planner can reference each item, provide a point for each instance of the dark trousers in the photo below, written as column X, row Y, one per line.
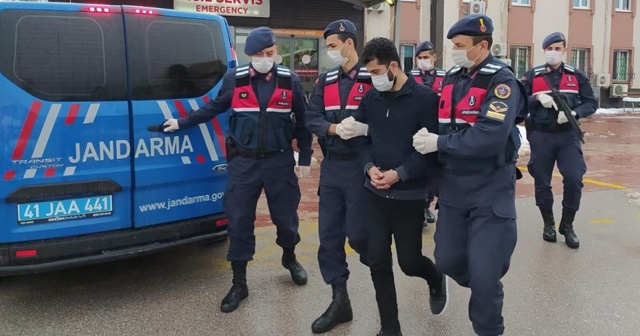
column 565, row 149
column 247, row 179
column 341, row 216
column 474, row 248
column 403, row 220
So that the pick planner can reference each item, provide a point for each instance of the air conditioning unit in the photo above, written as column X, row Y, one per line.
column 618, row 90
column 381, row 7
column 476, row 7
column 499, row 49
column 602, row 80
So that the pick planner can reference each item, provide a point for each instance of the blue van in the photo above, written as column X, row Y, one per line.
column 83, row 181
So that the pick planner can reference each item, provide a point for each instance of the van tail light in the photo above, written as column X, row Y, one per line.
column 222, row 222
column 145, row 11
column 100, row 10
column 26, row 253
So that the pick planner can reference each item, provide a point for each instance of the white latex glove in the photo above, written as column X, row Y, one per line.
column 303, row 171
column 350, row 128
column 563, row 119
column 425, row 142
column 171, row 125
column 547, row 101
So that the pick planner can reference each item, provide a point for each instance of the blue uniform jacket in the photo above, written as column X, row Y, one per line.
column 264, row 90
column 488, row 137
column 317, row 122
column 585, row 104
column 393, row 119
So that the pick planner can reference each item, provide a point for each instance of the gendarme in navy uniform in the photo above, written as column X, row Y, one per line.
column 551, row 137
column 268, row 110
column 476, row 230
column 336, row 96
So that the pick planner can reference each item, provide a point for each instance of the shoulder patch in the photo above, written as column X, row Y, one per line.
column 497, row 110
column 569, row 68
column 455, row 69
column 502, row 91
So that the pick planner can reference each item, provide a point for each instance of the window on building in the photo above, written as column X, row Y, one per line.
column 581, row 4
column 407, row 52
column 521, row 2
column 623, row 5
column 581, row 59
column 621, row 65
column 520, row 59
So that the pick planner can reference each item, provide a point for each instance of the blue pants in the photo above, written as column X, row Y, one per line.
column 565, row 149
column 342, row 215
column 475, row 238
column 247, row 178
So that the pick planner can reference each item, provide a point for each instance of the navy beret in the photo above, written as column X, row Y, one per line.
column 472, row 25
column 553, row 38
column 424, row 46
column 258, row 39
column 340, row 27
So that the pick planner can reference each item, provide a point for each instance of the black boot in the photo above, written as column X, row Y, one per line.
column 566, row 229
column 429, row 217
column 239, row 291
column 549, row 233
column 289, row 261
column 339, row 311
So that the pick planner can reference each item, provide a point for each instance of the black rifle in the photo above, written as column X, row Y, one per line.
column 558, row 97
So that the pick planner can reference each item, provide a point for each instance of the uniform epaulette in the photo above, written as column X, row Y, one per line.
column 440, row 73
column 492, row 67
column 416, row 72
column 569, row 68
column 283, row 72
column 363, row 73
column 332, row 75
column 242, row 71
column 455, row 69
column 538, row 70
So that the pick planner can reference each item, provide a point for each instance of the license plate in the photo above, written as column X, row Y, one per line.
column 65, row 210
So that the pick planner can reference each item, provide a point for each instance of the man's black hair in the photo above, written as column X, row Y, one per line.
column 478, row 39
column 343, row 37
column 381, row 49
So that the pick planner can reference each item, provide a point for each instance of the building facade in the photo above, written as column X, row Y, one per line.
column 601, row 35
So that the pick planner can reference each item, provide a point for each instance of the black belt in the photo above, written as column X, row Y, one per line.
column 257, row 155
column 341, row 156
column 552, row 128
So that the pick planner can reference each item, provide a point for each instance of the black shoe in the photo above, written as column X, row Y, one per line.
column 339, row 311
column 549, row 233
column 384, row 333
column 298, row 274
column 439, row 297
column 570, row 237
column 566, row 229
column 429, row 217
column 237, row 293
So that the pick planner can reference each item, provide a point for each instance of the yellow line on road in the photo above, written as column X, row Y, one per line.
column 587, row 180
column 605, row 220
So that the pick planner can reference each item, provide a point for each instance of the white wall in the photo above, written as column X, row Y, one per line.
column 451, row 14
column 550, row 16
column 600, row 37
column 377, row 24
column 636, row 53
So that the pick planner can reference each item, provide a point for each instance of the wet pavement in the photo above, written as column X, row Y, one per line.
column 550, row 289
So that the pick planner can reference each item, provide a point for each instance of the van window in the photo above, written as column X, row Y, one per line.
column 63, row 56
column 174, row 57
